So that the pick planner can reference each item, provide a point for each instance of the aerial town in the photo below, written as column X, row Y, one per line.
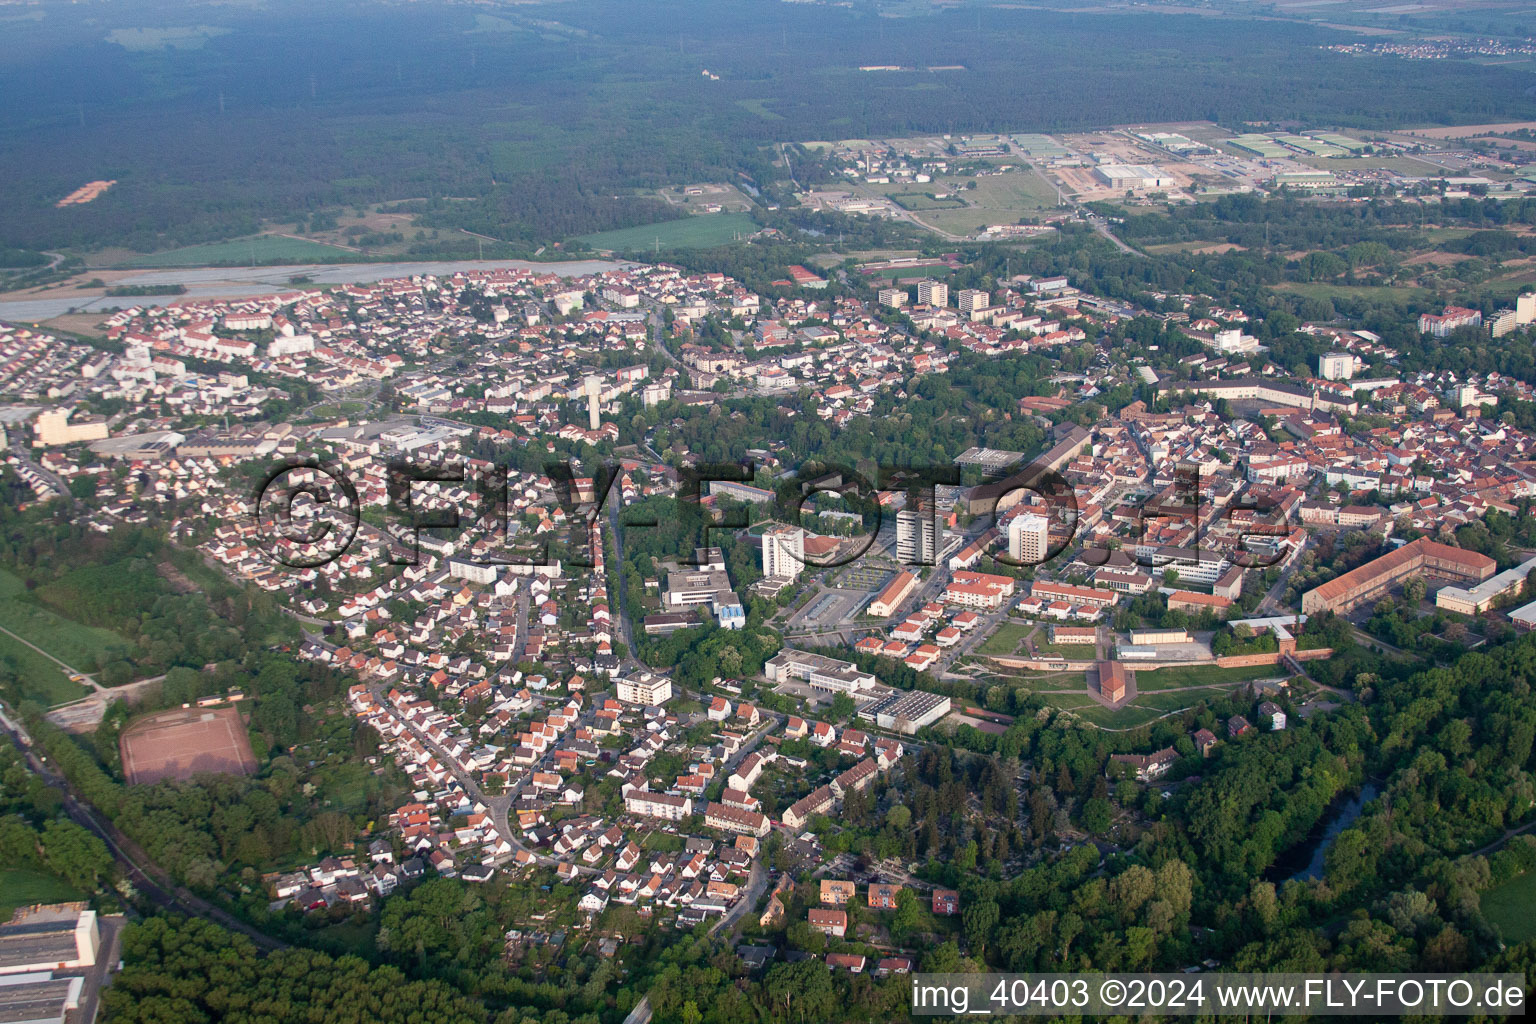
column 444, row 481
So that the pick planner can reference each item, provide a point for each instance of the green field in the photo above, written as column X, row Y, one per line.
column 700, row 232
column 71, row 642
column 925, row 201
column 41, row 679
column 24, row 888
column 1072, row 652
column 257, row 249
column 997, row 199
column 1379, row 293
column 1511, row 907
column 1006, row 640
column 84, row 647
column 1203, row 675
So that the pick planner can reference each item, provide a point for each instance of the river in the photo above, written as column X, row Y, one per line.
column 245, row 282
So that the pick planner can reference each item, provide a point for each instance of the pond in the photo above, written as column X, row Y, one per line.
column 1304, row 861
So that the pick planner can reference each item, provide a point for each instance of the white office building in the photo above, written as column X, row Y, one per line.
column 917, row 535
column 783, row 552
column 1028, row 538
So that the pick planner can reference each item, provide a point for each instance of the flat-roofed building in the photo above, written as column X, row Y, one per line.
column 54, row 937
column 917, row 535
column 908, row 712
column 644, row 689
column 1029, row 538
column 1159, row 636
column 1478, row 599
column 819, row 671
column 38, row 998
column 783, row 552
column 933, row 293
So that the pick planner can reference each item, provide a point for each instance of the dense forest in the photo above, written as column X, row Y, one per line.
column 528, row 128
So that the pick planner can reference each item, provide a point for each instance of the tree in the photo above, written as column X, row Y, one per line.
column 1097, row 815
column 908, row 916
column 75, row 854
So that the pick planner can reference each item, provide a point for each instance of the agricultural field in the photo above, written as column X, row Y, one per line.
column 700, row 232
column 1512, row 908
column 257, row 249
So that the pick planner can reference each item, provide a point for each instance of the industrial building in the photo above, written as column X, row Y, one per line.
column 1133, row 176
column 57, row 937
column 908, row 711
column 38, row 998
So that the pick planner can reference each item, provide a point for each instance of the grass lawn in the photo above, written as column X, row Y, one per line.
column 242, row 252
column 996, row 199
column 337, row 410
column 1512, row 908
column 1006, row 640
column 1203, row 675
column 698, row 232
column 1076, row 652
column 41, row 679
column 23, row 888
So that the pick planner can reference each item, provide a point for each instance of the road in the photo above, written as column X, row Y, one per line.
column 73, row 673
column 151, row 881
column 1098, row 224
column 626, row 624
column 1506, row 837
column 757, row 881
column 499, row 806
